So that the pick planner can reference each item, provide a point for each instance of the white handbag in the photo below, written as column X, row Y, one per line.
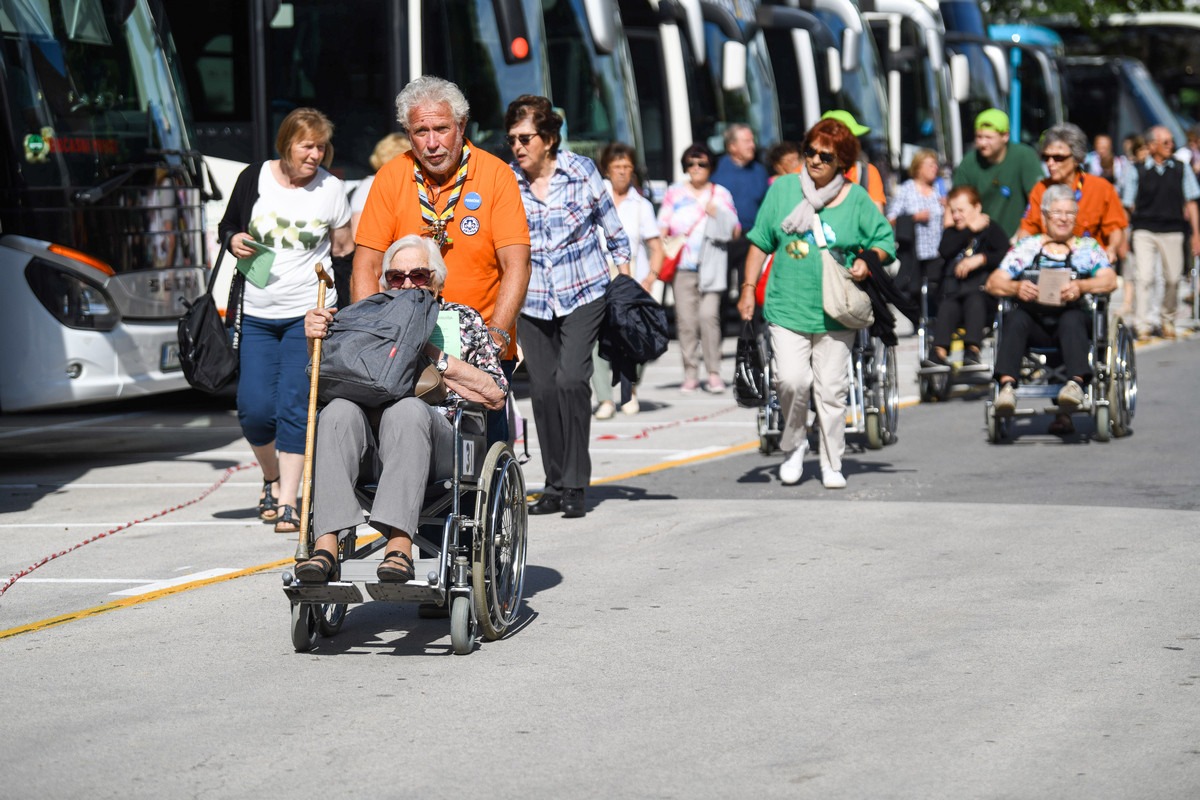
column 841, row 297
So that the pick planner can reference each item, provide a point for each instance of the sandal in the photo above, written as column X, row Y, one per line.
column 268, row 506
column 288, row 521
column 319, row 568
column 1061, row 426
column 396, row 567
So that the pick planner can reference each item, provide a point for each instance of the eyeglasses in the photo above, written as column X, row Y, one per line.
column 700, row 164
column 1057, row 158
column 523, row 138
column 826, row 158
column 1062, row 214
column 419, row 277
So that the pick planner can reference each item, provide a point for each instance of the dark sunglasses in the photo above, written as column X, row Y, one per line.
column 1057, row 159
column 690, row 164
column 523, row 138
column 419, row 276
column 826, row 158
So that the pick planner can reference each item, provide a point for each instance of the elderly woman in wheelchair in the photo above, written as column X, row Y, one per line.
column 1053, row 314
column 403, row 444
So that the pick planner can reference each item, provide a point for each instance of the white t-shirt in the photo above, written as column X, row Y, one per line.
column 640, row 224
column 296, row 224
column 358, row 198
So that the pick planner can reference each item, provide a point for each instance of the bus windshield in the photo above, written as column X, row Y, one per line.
column 594, row 91
column 462, row 44
column 862, row 90
column 88, row 88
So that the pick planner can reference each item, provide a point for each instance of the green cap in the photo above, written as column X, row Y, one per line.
column 847, row 119
column 992, row 118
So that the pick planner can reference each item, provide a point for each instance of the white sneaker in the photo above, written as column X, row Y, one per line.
column 833, row 480
column 632, row 407
column 606, row 410
column 793, row 466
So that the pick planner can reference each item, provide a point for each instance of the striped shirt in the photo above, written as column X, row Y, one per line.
column 567, row 266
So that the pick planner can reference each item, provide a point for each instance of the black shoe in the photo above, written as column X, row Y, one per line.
column 934, row 360
column 573, row 503
column 549, row 504
column 970, row 358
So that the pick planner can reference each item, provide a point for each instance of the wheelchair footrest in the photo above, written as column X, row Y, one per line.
column 973, row 368
column 938, row 370
column 416, row 591
column 332, row 592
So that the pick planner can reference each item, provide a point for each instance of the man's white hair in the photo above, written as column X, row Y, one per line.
column 433, row 259
column 427, row 91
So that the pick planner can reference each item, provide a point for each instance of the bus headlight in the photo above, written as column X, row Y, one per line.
column 74, row 301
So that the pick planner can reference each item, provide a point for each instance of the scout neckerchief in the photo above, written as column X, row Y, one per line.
column 435, row 223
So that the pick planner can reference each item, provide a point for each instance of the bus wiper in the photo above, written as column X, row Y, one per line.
column 194, row 156
column 95, row 194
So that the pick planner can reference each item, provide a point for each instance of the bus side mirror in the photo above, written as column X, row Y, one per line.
column 833, row 57
column 601, row 17
column 850, row 44
column 733, row 66
column 960, row 77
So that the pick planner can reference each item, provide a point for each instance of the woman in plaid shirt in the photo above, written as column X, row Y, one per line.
column 566, row 204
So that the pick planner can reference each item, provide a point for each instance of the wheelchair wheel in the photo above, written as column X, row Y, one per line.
column 304, row 627
column 874, row 431
column 769, row 425
column 462, row 629
column 1102, row 423
column 889, row 394
column 330, row 617
column 498, row 554
column 995, row 425
column 1122, row 380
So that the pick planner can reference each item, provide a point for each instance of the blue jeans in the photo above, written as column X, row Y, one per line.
column 272, row 396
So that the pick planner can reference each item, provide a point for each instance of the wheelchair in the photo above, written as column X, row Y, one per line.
column 769, row 418
column 471, row 537
column 934, row 382
column 1110, row 397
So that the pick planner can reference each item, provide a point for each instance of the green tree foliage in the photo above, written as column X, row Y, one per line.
column 1085, row 11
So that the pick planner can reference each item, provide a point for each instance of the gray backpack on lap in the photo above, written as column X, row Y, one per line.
column 372, row 355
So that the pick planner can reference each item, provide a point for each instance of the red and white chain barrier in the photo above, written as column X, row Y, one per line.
column 228, row 474
column 653, row 428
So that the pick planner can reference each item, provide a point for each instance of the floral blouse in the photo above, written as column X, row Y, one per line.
column 478, row 349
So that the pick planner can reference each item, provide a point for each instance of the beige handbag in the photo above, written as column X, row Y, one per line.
column 431, row 386
column 840, row 295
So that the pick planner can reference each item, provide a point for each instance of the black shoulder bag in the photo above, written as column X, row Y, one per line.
column 206, row 351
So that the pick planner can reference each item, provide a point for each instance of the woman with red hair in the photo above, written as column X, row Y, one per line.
column 812, row 350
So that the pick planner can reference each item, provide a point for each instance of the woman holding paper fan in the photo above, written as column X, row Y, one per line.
column 284, row 217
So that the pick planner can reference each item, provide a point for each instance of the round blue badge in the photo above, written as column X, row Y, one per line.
column 472, row 200
column 469, row 226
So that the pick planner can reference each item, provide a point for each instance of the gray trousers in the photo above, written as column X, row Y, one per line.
column 412, row 443
column 558, row 356
column 698, row 322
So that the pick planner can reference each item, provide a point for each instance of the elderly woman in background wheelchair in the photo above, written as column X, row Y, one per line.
column 1033, row 324
column 403, row 444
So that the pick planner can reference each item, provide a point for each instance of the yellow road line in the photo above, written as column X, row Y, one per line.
column 138, row 600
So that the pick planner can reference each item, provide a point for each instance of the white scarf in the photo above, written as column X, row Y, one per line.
column 801, row 217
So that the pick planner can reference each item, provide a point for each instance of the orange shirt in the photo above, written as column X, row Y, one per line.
column 489, row 215
column 874, row 182
column 1100, row 209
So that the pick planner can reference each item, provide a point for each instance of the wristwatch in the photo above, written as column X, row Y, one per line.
column 442, row 364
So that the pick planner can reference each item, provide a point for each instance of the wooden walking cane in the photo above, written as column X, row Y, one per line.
column 302, row 553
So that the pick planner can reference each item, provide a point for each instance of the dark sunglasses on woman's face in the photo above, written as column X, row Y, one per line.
column 1055, row 157
column 523, row 138
column 700, row 164
column 419, row 277
column 826, row 158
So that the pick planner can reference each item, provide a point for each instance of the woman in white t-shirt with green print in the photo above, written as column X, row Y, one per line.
column 298, row 210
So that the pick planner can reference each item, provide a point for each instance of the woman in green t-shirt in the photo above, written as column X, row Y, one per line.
column 812, row 351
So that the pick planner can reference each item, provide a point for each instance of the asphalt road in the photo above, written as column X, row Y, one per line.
column 963, row 621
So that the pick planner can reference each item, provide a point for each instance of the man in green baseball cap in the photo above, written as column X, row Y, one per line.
column 1003, row 172
column 863, row 172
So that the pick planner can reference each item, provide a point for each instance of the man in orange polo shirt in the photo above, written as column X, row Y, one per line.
column 1100, row 213
column 464, row 198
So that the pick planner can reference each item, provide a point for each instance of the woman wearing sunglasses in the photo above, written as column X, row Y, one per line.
column 570, row 213
column 1101, row 215
column 404, row 444
column 812, row 351
column 703, row 214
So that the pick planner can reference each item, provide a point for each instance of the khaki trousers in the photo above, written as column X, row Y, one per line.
column 698, row 321
column 815, row 364
column 1147, row 246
